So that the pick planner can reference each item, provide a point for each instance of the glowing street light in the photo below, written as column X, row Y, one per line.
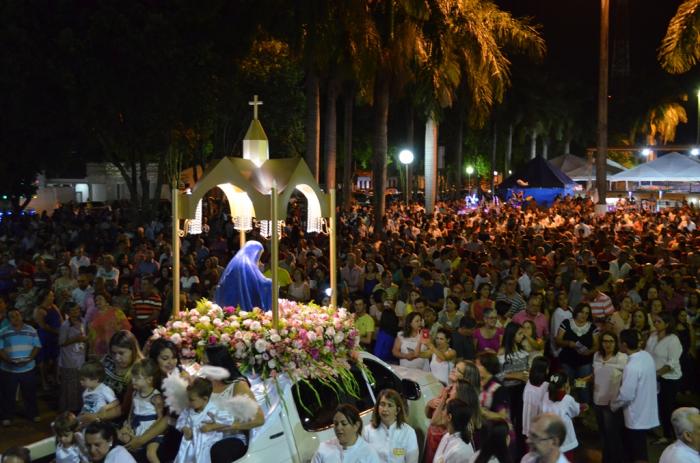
column 695, row 151
column 406, row 158
column 646, row 152
column 470, row 171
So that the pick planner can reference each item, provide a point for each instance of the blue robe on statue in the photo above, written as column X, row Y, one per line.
column 242, row 284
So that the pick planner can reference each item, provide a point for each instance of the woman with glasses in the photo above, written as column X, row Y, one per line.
column 608, row 365
column 488, row 337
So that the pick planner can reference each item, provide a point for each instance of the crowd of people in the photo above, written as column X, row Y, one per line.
column 531, row 318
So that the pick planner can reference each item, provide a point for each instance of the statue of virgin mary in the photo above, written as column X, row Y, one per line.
column 242, row 284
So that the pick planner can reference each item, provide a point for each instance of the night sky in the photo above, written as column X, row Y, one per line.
column 571, row 31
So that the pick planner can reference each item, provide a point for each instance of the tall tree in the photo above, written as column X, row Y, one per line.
column 469, row 40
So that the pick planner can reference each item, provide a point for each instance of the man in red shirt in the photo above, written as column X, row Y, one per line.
column 145, row 309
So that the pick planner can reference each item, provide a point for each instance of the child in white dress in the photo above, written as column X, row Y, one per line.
column 562, row 404
column 196, row 442
column 146, row 407
column 535, row 391
column 70, row 445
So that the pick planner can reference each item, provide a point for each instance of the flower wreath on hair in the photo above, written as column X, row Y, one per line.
column 240, row 407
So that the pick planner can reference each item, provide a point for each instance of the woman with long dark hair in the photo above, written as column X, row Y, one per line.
column 495, row 440
column 348, row 445
column 235, row 442
column 409, row 347
column 455, row 446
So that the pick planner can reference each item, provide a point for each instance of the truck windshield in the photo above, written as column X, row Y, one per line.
column 317, row 415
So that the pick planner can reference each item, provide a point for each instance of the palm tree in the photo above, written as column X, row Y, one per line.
column 680, row 48
column 397, row 26
column 467, row 42
column 660, row 123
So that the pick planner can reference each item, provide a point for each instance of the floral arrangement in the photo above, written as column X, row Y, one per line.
column 312, row 341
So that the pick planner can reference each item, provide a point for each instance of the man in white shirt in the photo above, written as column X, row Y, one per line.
column 637, row 396
column 686, row 425
column 547, row 433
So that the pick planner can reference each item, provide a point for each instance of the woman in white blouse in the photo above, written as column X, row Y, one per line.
column 455, row 445
column 608, row 365
column 410, row 348
column 666, row 349
column 442, row 355
column 348, row 445
column 388, row 433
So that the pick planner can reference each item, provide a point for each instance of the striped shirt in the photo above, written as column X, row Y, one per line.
column 19, row 344
column 601, row 307
column 145, row 307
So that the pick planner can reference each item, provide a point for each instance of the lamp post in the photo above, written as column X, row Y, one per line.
column 470, row 171
column 406, row 158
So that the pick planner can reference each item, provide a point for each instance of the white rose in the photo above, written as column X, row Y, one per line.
column 261, row 345
column 275, row 338
column 176, row 339
column 330, row 331
column 312, row 336
column 339, row 338
column 272, row 363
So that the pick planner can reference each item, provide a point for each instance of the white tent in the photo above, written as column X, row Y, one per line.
column 673, row 167
column 580, row 170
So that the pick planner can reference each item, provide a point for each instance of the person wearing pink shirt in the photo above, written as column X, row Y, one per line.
column 533, row 313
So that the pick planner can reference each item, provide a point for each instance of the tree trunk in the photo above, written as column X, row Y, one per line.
column 509, row 150
column 567, row 146
column 602, row 151
column 145, row 186
column 494, row 147
column 431, row 162
column 533, row 144
column 348, row 106
column 379, row 148
column 313, row 123
column 330, row 142
column 545, row 147
column 160, row 180
column 459, row 140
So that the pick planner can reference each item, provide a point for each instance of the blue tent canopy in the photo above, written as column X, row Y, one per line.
column 538, row 179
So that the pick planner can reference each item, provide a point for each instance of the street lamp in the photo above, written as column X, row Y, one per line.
column 695, row 151
column 406, row 158
column 470, row 171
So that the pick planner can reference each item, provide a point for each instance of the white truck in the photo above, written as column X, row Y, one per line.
column 295, row 426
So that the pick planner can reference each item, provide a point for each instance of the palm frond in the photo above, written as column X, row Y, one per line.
column 680, row 48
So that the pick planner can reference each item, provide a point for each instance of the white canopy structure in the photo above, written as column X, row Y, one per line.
column 673, row 167
column 580, row 170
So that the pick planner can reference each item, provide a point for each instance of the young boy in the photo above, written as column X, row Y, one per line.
column 98, row 398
